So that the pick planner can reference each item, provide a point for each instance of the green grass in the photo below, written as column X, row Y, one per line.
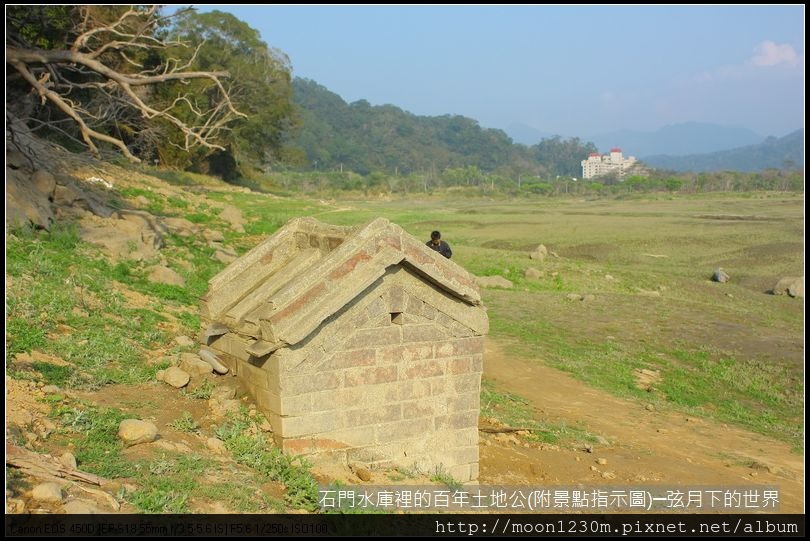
column 200, row 392
column 166, row 484
column 256, row 452
column 98, row 448
column 514, row 411
column 185, row 423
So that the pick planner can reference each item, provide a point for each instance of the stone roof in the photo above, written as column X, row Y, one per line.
column 284, row 288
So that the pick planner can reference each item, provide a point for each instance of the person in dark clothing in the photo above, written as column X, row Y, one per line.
column 436, row 243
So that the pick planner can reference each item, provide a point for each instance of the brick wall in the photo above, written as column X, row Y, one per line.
column 393, row 379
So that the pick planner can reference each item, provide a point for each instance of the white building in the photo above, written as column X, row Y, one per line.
column 599, row 164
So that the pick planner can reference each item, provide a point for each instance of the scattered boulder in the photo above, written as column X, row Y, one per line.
column 216, row 445
column 192, row 364
column 181, row 226
column 25, row 204
column 47, row 493
column 225, row 256
column 176, row 377
column 131, row 237
column 135, row 431
column 539, row 253
column 81, row 507
column 720, row 275
column 68, row 460
column 532, row 274
column 44, row 183
column 183, row 341
column 493, row 281
column 222, row 392
column 790, row 285
column 165, row 275
column 234, row 217
column 214, row 235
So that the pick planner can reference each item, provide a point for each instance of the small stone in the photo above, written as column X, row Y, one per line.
column 47, row 492
column 588, row 298
column 594, row 468
column 216, row 445
column 573, row 297
column 14, row 506
column 193, row 365
column 176, row 377
column 609, row 277
column 488, row 443
column 183, row 341
column 649, row 407
column 578, row 459
column 719, row 275
column 363, row 474
column 160, row 374
column 608, row 475
column 135, row 431
column 68, row 460
column 662, row 431
column 81, row 507
column 601, row 461
column 532, row 273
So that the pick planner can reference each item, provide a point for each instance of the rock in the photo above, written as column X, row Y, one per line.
column 165, row 275
column 363, row 474
column 47, row 492
column 224, row 257
column 609, row 277
column 608, row 475
column 176, row 377
column 720, row 275
column 594, row 468
column 131, row 237
column 135, row 431
column 183, row 341
column 539, row 253
column 790, row 285
column 588, row 298
column 181, row 226
column 14, row 506
column 24, row 204
column 160, row 374
column 213, row 235
column 532, row 273
column 267, row 427
column 81, row 507
column 574, row 297
column 68, row 460
column 601, row 461
column 649, row 407
column 193, row 365
column 209, row 357
column 44, row 183
column 233, row 216
column 493, row 281
column 216, row 445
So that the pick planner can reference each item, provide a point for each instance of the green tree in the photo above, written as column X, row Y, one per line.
column 260, row 86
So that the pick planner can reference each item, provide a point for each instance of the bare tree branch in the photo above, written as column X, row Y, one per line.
column 54, row 74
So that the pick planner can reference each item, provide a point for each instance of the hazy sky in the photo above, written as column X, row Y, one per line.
column 580, row 70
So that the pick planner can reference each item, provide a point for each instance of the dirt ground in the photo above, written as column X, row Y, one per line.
column 644, row 447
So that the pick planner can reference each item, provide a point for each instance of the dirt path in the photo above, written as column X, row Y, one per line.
column 643, row 447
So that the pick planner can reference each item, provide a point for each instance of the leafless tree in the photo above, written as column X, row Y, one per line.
column 100, row 79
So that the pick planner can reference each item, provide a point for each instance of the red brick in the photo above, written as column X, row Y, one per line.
column 349, row 265
column 425, row 369
column 460, row 365
column 422, row 333
column 349, row 359
column 400, row 354
column 369, row 338
column 307, row 298
column 370, row 376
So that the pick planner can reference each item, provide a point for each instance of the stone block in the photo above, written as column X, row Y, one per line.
column 424, row 369
column 351, row 359
column 422, row 333
column 405, row 429
column 370, row 338
column 370, row 376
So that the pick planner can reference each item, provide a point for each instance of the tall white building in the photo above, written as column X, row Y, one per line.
column 599, row 164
